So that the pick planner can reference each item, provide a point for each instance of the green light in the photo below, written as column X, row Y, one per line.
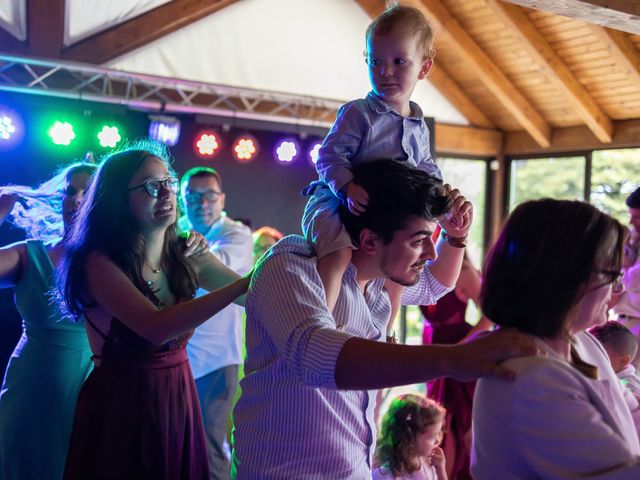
column 109, row 136
column 62, row 133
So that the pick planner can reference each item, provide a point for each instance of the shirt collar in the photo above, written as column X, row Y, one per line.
column 215, row 226
column 379, row 106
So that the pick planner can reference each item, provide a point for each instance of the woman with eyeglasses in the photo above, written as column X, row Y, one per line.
column 52, row 357
column 138, row 415
column 551, row 274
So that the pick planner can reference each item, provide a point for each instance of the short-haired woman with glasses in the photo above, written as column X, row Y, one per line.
column 138, row 414
column 551, row 274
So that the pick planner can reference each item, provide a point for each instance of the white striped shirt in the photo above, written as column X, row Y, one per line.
column 290, row 421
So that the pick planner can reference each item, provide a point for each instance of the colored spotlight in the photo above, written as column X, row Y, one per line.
column 313, row 153
column 208, row 144
column 7, row 128
column 287, row 151
column 11, row 128
column 109, row 136
column 164, row 129
column 245, row 148
column 62, row 133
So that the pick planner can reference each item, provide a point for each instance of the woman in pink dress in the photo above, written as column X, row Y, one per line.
column 138, row 415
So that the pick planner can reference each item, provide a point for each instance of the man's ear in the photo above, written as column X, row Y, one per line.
column 369, row 241
column 624, row 360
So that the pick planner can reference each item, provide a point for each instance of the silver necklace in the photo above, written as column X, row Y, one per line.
column 155, row 271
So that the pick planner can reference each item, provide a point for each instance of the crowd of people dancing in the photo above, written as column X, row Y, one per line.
column 133, row 346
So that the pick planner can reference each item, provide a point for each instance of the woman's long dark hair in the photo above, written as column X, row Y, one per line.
column 106, row 224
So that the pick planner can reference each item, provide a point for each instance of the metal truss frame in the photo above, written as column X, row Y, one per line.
column 160, row 94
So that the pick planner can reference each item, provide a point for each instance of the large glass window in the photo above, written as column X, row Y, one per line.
column 470, row 177
column 561, row 178
column 614, row 175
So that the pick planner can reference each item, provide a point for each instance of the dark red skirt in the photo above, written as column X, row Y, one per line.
column 139, row 418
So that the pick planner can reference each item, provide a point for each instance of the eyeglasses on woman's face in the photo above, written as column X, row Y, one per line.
column 613, row 278
column 153, row 186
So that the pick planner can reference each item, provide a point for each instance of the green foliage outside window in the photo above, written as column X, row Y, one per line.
column 614, row 175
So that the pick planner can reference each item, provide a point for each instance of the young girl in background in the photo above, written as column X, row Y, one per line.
column 408, row 441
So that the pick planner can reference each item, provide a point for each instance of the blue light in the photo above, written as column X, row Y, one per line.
column 164, row 129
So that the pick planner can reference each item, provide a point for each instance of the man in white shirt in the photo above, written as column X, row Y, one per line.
column 215, row 350
column 306, row 409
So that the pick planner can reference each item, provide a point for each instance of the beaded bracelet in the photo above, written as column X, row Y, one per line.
column 456, row 242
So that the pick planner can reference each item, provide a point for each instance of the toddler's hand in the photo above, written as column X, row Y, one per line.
column 438, row 462
column 357, row 198
column 457, row 222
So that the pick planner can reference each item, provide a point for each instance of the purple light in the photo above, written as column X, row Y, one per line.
column 287, row 151
column 313, row 152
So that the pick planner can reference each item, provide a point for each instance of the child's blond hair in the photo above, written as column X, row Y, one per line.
column 410, row 20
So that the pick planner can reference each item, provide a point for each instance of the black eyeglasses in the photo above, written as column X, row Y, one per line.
column 614, row 278
column 153, row 185
column 195, row 197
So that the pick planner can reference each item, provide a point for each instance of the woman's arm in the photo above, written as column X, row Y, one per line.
column 125, row 302
column 11, row 259
column 7, row 201
column 213, row 274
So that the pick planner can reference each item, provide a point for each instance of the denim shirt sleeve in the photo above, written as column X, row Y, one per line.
column 426, row 162
column 339, row 147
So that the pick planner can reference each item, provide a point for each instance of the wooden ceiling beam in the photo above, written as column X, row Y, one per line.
column 45, row 28
column 441, row 80
column 490, row 75
column 456, row 97
column 572, row 139
column 622, row 50
column 554, row 68
column 461, row 140
column 140, row 31
column 617, row 14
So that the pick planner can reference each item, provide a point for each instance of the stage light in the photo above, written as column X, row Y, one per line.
column 11, row 128
column 287, row 150
column 164, row 129
column 313, row 153
column 7, row 128
column 109, row 136
column 207, row 144
column 62, row 133
column 245, row 148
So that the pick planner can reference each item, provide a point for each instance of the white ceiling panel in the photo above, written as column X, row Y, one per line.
column 310, row 47
column 13, row 17
column 87, row 17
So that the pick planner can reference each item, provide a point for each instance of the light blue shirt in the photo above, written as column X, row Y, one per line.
column 217, row 342
column 291, row 421
column 368, row 129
